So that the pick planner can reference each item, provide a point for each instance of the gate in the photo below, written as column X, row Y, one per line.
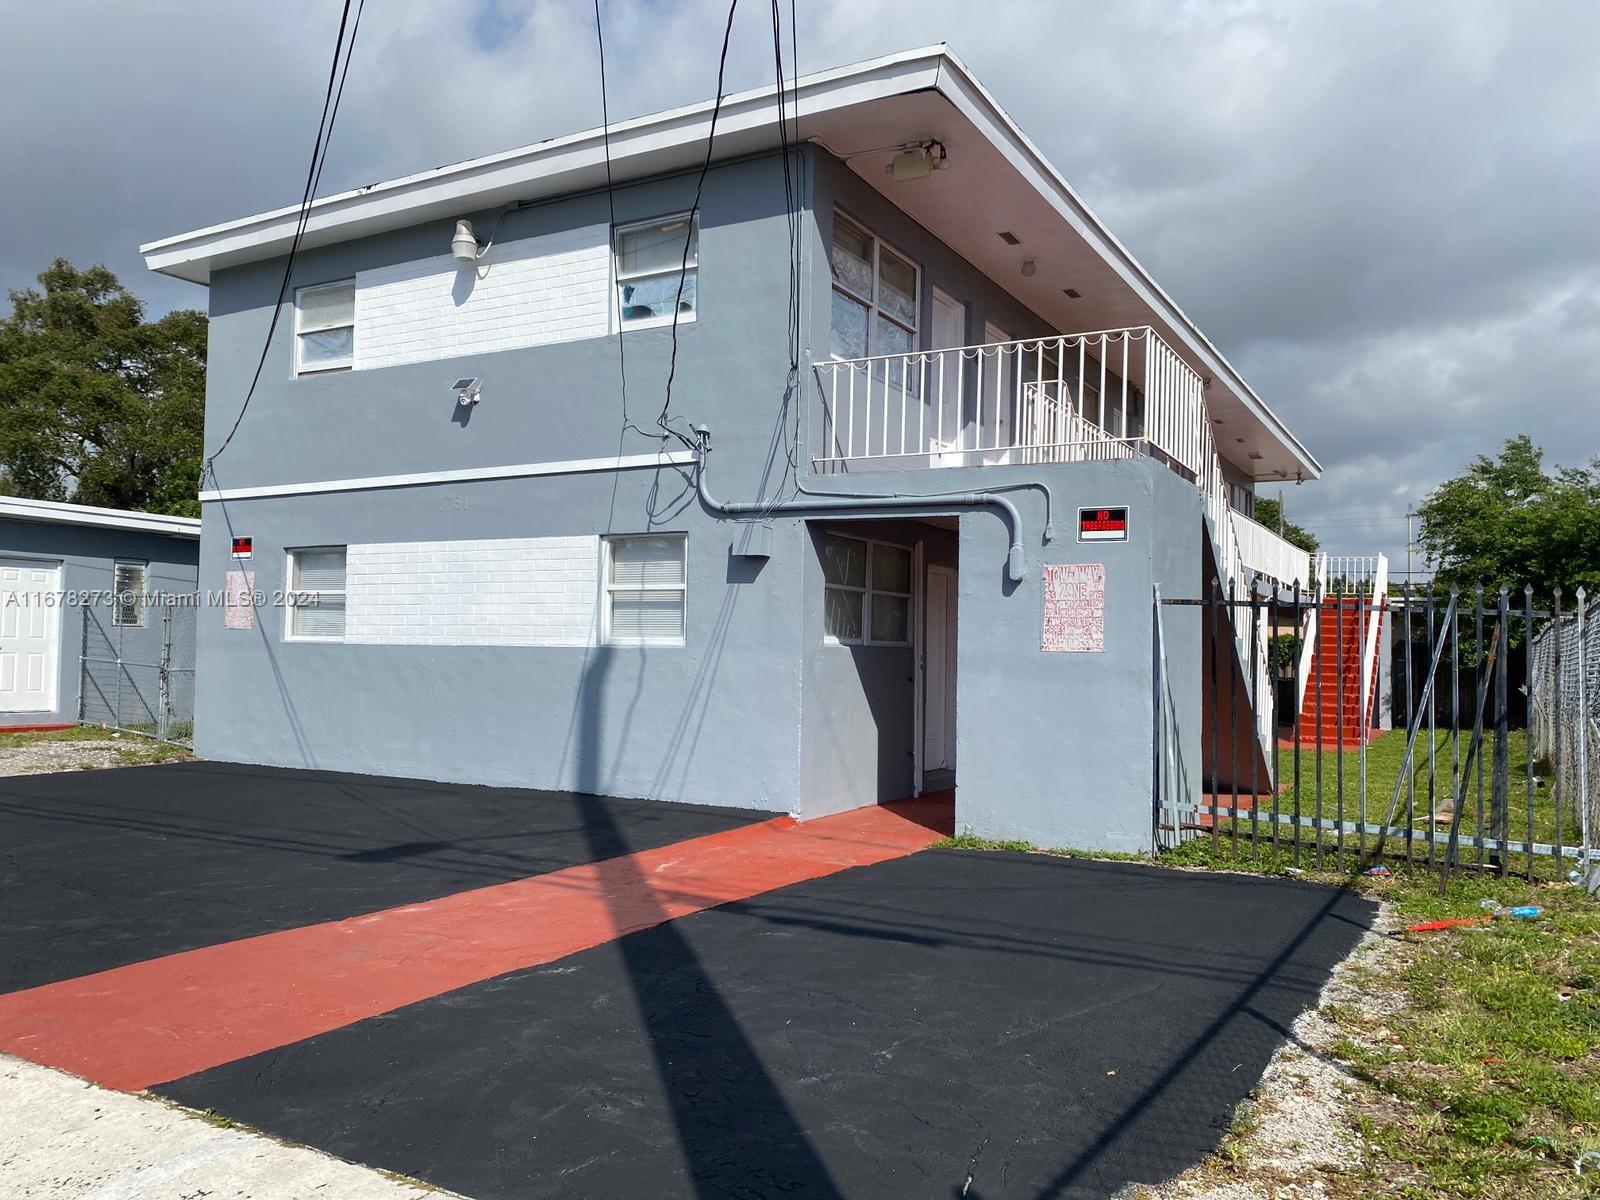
column 139, row 678
column 1448, row 729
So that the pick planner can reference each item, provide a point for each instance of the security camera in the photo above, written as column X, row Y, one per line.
column 467, row 390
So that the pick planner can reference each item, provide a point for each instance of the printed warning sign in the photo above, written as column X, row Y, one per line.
column 238, row 601
column 1074, row 608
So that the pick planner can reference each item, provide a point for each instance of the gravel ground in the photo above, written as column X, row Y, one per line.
column 64, row 1139
column 33, row 754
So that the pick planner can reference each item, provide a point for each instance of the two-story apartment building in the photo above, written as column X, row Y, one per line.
column 933, row 438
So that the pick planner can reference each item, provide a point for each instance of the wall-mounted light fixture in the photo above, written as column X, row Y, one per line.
column 467, row 390
column 1030, row 268
column 464, row 246
column 917, row 160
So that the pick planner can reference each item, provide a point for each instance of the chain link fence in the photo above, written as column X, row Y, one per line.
column 1564, row 712
column 139, row 677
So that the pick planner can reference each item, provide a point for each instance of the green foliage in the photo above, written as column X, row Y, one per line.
column 1283, row 652
column 98, row 405
column 1506, row 522
column 1270, row 512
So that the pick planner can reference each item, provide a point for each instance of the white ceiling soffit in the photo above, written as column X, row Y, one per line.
column 903, row 97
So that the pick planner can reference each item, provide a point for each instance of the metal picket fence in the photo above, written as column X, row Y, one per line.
column 1463, row 736
column 139, row 678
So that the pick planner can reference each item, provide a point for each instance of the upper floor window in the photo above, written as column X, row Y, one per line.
column 317, row 594
column 325, row 327
column 128, row 584
column 875, row 294
column 657, row 264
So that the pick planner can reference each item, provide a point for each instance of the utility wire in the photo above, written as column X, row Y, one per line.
column 694, row 213
column 337, row 74
column 611, row 208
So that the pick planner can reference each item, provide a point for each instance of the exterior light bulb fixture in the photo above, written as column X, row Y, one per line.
column 464, row 246
column 917, row 161
column 1030, row 268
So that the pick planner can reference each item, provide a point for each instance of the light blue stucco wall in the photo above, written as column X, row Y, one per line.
column 87, row 556
column 755, row 710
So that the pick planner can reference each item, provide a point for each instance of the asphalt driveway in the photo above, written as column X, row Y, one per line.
column 942, row 1023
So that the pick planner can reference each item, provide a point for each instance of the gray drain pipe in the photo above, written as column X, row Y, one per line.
column 1016, row 565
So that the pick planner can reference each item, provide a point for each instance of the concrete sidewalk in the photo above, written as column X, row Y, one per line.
column 63, row 1139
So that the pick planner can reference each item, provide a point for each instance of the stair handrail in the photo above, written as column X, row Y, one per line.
column 1369, row 647
column 1308, row 633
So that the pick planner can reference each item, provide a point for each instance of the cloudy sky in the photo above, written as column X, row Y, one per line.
column 1385, row 213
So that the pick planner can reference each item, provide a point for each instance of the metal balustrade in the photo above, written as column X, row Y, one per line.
column 1082, row 397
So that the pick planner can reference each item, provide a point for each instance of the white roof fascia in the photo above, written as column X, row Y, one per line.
column 531, row 171
column 52, row 512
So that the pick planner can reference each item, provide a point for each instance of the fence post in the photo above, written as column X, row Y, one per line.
column 83, row 660
column 1155, row 731
column 1500, row 794
column 1585, row 824
column 1527, row 690
column 163, row 687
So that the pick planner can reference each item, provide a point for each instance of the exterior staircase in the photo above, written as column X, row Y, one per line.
column 1342, row 718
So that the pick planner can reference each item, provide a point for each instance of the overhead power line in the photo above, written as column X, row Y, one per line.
column 694, row 213
column 337, row 73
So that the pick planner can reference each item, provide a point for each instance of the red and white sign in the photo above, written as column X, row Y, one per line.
column 242, row 547
column 1103, row 524
column 1074, row 608
column 238, row 601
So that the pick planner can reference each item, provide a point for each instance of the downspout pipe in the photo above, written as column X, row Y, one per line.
column 1016, row 563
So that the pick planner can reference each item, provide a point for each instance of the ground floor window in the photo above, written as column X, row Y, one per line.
column 128, row 584
column 867, row 591
column 317, row 594
column 645, row 581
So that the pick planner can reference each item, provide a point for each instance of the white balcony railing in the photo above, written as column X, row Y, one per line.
column 1083, row 397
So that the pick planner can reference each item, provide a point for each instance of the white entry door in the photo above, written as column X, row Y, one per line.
column 998, row 397
column 30, row 634
column 939, row 667
column 947, row 373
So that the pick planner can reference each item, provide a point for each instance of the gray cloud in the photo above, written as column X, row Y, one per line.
column 1383, row 213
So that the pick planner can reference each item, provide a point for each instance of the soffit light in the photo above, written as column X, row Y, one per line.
column 917, row 160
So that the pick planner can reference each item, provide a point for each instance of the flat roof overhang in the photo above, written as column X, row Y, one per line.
column 998, row 180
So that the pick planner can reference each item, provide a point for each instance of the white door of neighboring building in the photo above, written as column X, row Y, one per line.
column 939, row 672
column 947, row 373
column 30, row 634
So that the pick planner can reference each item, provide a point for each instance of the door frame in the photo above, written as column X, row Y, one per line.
column 53, row 693
column 923, row 647
column 956, row 436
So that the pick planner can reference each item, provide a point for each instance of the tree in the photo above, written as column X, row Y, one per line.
column 1507, row 522
column 1270, row 514
column 98, row 405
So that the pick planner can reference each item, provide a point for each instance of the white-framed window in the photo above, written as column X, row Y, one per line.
column 316, row 594
column 651, row 259
column 645, row 578
column 128, row 588
column 876, row 294
column 325, row 327
column 866, row 596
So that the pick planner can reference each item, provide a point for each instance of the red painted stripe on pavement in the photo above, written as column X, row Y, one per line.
column 159, row 1020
